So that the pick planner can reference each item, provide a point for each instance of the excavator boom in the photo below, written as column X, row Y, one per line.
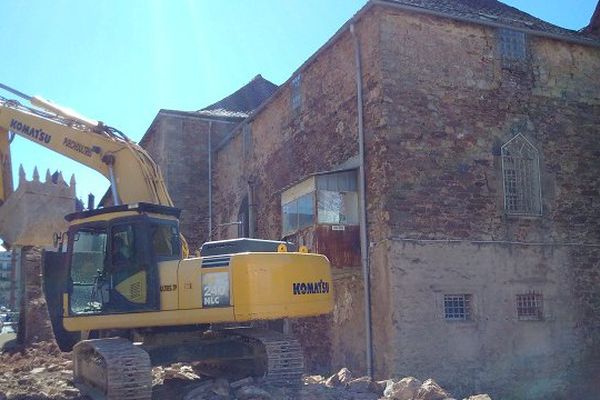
column 133, row 175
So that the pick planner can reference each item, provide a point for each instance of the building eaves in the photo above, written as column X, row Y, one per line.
column 196, row 115
column 494, row 13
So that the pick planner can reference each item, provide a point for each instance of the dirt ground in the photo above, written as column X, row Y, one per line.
column 42, row 372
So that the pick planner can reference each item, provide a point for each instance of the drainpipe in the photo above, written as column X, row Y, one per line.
column 364, row 248
column 210, row 180
column 251, row 208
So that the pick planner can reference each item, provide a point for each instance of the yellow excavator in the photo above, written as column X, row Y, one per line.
column 126, row 296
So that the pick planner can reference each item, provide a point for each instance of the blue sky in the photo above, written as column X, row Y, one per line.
column 122, row 61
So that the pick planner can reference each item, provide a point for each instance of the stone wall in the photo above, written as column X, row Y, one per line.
column 179, row 145
column 438, row 106
column 448, row 108
column 282, row 147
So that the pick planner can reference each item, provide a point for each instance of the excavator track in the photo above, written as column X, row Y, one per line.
column 111, row 369
column 284, row 357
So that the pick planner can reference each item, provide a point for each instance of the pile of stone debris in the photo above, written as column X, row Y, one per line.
column 42, row 372
column 341, row 386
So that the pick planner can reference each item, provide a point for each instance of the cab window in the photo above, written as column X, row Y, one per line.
column 165, row 240
column 123, row 245
column 87, row 263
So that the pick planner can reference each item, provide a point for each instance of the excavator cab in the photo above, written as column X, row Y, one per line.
column 113, row 256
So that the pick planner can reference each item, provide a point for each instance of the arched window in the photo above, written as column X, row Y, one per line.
column 521, row 177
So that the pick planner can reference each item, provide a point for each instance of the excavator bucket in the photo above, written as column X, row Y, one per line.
column 35, row 211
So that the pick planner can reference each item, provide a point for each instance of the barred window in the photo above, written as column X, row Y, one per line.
column 530, row 306
column 457, row 307
column 296, row 96
column 521, row 177
column 512, row 46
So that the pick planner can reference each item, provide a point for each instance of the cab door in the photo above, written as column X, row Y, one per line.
column 130, row 269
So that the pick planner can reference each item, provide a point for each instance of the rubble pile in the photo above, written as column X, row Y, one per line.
column 37, row 372
column 42, row 372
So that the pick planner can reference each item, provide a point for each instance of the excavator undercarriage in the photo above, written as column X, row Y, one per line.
column 116, row 368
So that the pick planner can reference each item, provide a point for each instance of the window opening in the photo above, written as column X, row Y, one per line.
column 165, row 240
column 337, row 198
column 530, row 306
column 298, row 213
column 457, row 307
column 123, row 245
column 512, row 46
column 521, row 177
column 296, row 96
column 247, row 140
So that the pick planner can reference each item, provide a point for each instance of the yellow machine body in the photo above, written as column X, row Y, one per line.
column 126, row 266
column 227, row 288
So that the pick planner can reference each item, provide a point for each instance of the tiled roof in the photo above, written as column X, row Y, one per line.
column 243, row 101
column 490, row 11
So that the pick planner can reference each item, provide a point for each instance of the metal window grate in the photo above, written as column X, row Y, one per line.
column 512, row 46
column 530, row 306
column 520, row 169
column 457, row 307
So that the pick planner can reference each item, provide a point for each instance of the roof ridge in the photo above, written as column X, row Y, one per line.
column 245, row 99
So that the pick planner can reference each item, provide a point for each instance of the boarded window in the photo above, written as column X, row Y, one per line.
column 530, row 306
column 457, row 307
column 521, row 178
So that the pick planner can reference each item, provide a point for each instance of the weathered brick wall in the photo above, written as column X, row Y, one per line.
column 179, row 145
column 438, row 107
column 287, row 147
column 448, row 107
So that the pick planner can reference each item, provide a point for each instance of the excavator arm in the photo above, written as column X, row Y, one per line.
column 133, row 175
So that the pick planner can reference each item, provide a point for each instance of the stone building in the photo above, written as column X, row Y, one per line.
column 173, row 135
column 481, row 157
column 474, row 128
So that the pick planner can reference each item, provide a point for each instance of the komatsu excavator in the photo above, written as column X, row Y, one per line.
column 125, row 293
